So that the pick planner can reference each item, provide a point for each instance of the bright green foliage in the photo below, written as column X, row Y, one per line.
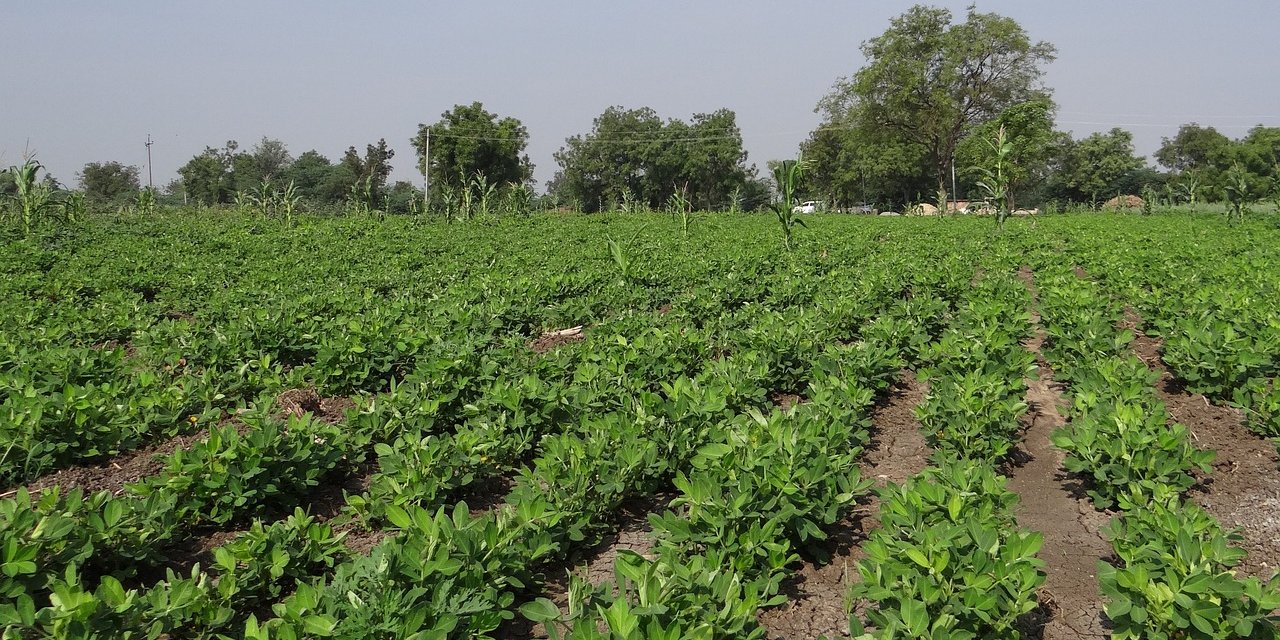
column 948, row 560
column 1238, row 195
column 1176, row 579
column 741, row 382
column 1130, row 454
column 633, row 156
column 1095, row 168
column 32, row 197
column 786, row 177
column 470, row 144
column 109, row 182
column 996, row 178
column 930, row 81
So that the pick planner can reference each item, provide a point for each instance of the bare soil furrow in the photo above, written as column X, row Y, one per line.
column 1073, row 545
column 816, row 593
column 113, row 474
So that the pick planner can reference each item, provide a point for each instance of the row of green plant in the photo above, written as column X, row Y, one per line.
column 1213, row 301
column 762, row 488
column 1173, row 574
column 948, row 560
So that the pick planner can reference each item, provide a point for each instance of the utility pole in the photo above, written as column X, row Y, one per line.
column 954, row 196
column 426, row 170
column 150, row 184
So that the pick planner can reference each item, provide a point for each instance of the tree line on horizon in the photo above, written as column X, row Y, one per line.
column 915, row 124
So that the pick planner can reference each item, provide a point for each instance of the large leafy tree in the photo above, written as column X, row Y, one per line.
column 633, row 155
column 268, row 160
column 469, row 141
column 370, row 171
column 930, row 81
column 319, row 180
column 208, row 177
column 852, row 163
column 1204, row 156
column 1097, row 167
column 1195, row 148
column 1032, row 141
column 105, row 182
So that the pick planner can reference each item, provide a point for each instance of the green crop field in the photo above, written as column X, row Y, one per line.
column 634, row 426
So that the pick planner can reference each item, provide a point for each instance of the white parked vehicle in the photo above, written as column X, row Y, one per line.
column 808, row 206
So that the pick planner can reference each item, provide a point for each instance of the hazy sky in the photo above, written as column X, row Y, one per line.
column 87, row 81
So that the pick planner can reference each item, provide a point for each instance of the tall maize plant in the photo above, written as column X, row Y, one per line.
column 33, row 197
column 787, row 175
column 995, row 179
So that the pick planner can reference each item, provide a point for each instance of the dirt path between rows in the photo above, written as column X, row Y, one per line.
column 816, row 592
column 1073, row 545
column 1244, row 490
column 594, row 564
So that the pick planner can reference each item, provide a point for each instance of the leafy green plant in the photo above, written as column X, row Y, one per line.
column 75, row 207
column 681, row 208
column 1175, row 579
column 948, row 561
column 787, row 175
column 264, row 563
column 1238, row 195
column 32, row 196
column 996, row 178
column 288, row 201
column 1128, row 452
column 1189, row 188
column 1149, row 197
column 622, row 254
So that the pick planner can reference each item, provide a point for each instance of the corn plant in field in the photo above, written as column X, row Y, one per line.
column 787, row 175
column 74, row 207
column 621, row 254
column 1149, row 197
column 483, row 192
column 995, row 179
column 735, row 200
column 33, row 197
column 1237, row 195
column 517, row 200
column 264, row 199
column 361, row 197
column 288, row 201
column 681, row 208
column 145, row 201
column 1189, row 188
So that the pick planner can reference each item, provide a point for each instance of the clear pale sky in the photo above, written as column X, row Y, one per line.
column 87, row 81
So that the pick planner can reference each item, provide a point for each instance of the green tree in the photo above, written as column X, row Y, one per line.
column 319, row 180
column 371, row 170
column 1096, row 168
column 1031, row 139
column 631, row 155
column 109, row 182
column 469, row 141
column 931, row 81
column 208, row 177
column 1195, row 148
column 268, row 160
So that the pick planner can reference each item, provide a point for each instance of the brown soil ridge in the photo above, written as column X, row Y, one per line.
column 1244, row 491
column 816, row 593
column 1047, row 503
column 114, row 473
